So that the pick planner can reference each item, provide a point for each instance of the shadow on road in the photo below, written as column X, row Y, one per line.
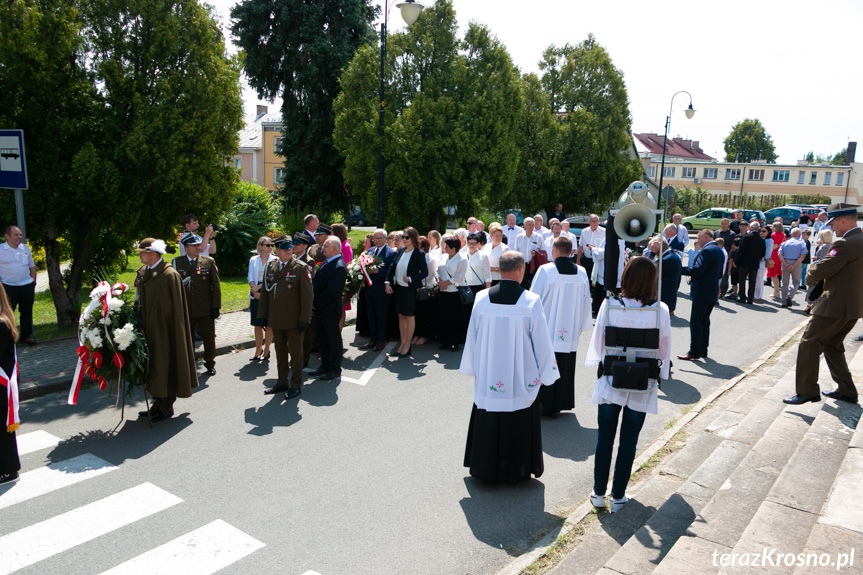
column 275, row 413
column 565, row 438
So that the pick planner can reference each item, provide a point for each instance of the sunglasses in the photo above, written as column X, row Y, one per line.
column 406, row 237
column 266, row 245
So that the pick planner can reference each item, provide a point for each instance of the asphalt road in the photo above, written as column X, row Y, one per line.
column 360, row 476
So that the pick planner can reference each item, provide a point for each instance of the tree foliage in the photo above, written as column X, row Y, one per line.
column 749, row 141
column 452, row 107
column 253, row 213
column 129, row 108
column 296, row 50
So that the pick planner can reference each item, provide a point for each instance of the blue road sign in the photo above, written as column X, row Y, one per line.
column 13, row 168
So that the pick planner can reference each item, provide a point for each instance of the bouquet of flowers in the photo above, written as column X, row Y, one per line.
column 359, row 271
column 630, row 253
column 111, row 349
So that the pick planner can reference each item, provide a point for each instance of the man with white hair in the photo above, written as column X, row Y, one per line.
column 682, row 232
column 674, row 242
column 511, row 231
column 592, row 235
column 792, row 252
column 564, row 231
column 328, row 285
column 527, row 243
column 541, row 229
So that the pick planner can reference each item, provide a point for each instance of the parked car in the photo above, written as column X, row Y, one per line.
column 519, row 218
column 788, row 214
column 757, row 214
column 710, row 219
column 357, row 218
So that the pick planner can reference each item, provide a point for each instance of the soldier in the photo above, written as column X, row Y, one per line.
column 301, row 254
column 286, row 302
column 316, row 252
column 203, row 292
column 160, row 302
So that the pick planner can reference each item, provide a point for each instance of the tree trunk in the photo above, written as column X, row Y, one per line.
column 67, row 298
column 434, row 219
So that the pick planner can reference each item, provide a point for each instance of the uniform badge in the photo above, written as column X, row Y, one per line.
column 155, row 273
column 832, row 253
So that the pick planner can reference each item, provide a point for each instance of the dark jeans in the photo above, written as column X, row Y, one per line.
column 630, row 427
column 23, row 296
column 329, row 338
column 699, row 328
column 378, row 308
column 745, row 273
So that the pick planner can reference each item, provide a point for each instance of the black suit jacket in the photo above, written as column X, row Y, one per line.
column 377, row 288
column 752, row 250
column 328, row 285
column 417, row 268
column 706, row 272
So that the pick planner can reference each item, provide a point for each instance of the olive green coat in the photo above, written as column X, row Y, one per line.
column 286, row 295
column 201, row 280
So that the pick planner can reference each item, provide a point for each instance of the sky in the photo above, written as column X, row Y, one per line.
column 793, row 65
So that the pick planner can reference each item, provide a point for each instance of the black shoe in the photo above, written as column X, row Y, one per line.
column 329, row 376
column 160, row 415
column 8, row 478
column 211, row 371
column 319, row 371
column 275, row 389
column 254, row 358
column 801, row 399
column 410, row 349
column 368, row 345
column 445, row 347
column 294, row 392
column 837, row 395
column 456, row 347
column 859, row 338
column 151, row 412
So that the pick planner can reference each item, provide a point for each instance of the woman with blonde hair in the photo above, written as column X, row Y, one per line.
column 10, row 465
column 257, row 264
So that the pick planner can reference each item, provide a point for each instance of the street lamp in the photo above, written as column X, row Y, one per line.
column 690, row 111
column 410, row 10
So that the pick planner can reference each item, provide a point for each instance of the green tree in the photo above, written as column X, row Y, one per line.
column 296, row 50
column 452, row 110
column 253, row 213
column 839, row 158
column 130, row 109
column 749, row 141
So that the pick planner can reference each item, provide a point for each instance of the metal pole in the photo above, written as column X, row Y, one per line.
column 847, row 183
column 381, row 127
column 19, row 209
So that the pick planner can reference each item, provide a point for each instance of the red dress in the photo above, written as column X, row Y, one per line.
column 347, row 255
column 776, row 270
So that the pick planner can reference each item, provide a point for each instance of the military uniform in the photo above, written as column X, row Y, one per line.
column 204, row 294
column 313, row 257
column 835, row 314
column 286, row 303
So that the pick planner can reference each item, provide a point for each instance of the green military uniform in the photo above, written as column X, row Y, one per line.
column 835, row 314
column 204, row 294
column 160, row 301
column 310, row 339
column 286, row 301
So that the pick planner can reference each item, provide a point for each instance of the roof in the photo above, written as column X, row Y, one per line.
column 251, row 136
column 677, row 147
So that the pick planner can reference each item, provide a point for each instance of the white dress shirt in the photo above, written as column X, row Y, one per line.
column 592, row 237
column 683, row 235
column 15, row 265
column 479, row 270
column 527, row 244
column 402, row 267
column 511, row 233
column 453, row 270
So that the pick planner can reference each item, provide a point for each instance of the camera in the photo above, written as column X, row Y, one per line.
column 215, row 227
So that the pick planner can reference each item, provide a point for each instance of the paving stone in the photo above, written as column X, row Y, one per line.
column 646, row 548
column 686, row 461
column 764, row 532
column 725, row 420
column 840, row 546
column 837, row 419
column 711, row 474
column 745, row 402
column 756, row 422
column 807, row 478
column 857, row 438
column 691, row 555
column 843, row 507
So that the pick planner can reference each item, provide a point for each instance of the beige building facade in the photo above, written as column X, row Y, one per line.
column 257, row 159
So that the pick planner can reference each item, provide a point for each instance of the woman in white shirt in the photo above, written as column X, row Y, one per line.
column 637, row 307
column 451, row 273
column 257, row 264
column 478, row 270
column 434, row 252
column 427, row 310
column 494, row 250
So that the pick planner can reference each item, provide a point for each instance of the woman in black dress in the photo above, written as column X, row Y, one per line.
column 9, row 462
column 406, row 276
column 363, row 327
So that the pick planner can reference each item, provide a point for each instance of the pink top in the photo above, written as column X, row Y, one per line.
column 348, row 256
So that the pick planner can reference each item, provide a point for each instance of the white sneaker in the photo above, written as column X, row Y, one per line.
column 597, row 501
column 617, row 504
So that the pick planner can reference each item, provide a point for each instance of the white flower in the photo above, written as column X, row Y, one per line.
column 105, row 320
column 115, row 304
column 99, row 290
column 95, row 339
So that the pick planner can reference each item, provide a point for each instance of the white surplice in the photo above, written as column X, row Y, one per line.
column 567, row 305
column 508, row 352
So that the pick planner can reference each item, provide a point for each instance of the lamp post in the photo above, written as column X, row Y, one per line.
column 410, row 11
column 690, row 111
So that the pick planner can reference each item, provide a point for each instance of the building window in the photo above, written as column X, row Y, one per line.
column 709, row 173
column 756, row 175
column 812, row 178
column 279, row 176
column 781, row 175
column 688, row 173
column 840, row 178
column 652, row 171
column 732, row 174
column 827, row 177
column 801, row 177
column 238, row 163
column 668, row 173
column 277, row 142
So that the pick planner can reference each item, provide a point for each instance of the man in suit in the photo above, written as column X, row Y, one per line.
column 310, row 225
column 203, row 293
column 328, row 285
column 377, row 299
column 752, row 251
column 836, row 312
column 727, row 236
column 672, row 239
column 286, row 303
column 706, row 273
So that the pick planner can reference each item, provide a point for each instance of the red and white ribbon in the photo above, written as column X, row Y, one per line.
column 12, row 402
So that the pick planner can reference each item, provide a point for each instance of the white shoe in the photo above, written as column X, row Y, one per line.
column 597, row 501
column 617, row 504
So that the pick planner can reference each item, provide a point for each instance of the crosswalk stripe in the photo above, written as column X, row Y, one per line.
column 55, row 476
column 200, row 552
column 36, row 440
column 47, row 538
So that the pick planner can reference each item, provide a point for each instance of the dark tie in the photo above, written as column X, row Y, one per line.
column 510, row 229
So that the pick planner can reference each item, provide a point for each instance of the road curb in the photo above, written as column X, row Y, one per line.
column 517, row 565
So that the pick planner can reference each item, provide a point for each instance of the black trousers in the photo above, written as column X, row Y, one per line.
column 528, row 276
column 23, row 297
column 378, row 308
column 206, row 327
column 745, row 273
column 587, row 264
column 329, row 338
column 699, row 328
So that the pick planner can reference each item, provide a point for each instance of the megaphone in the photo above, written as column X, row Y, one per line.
column 635, row 219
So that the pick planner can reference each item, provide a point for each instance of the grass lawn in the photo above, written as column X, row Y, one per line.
column 235, row 295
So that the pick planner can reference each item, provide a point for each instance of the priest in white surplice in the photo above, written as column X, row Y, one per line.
column 564, row 289
column 509, row 354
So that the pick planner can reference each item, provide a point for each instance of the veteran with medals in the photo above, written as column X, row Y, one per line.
column 564, row 289
column 203, row 293
column 286, row 303
column 160, row 302
column 509, row 354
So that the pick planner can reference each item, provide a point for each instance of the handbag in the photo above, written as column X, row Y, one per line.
column 466, row 295
column 769, row 263
column 629, row 375
column 427, row 293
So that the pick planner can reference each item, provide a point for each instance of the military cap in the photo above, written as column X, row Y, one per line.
column 323, row 230
column 191, row 239
column 283, row 242
column 840, row 209
column 302, row 239
column 151, row 245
